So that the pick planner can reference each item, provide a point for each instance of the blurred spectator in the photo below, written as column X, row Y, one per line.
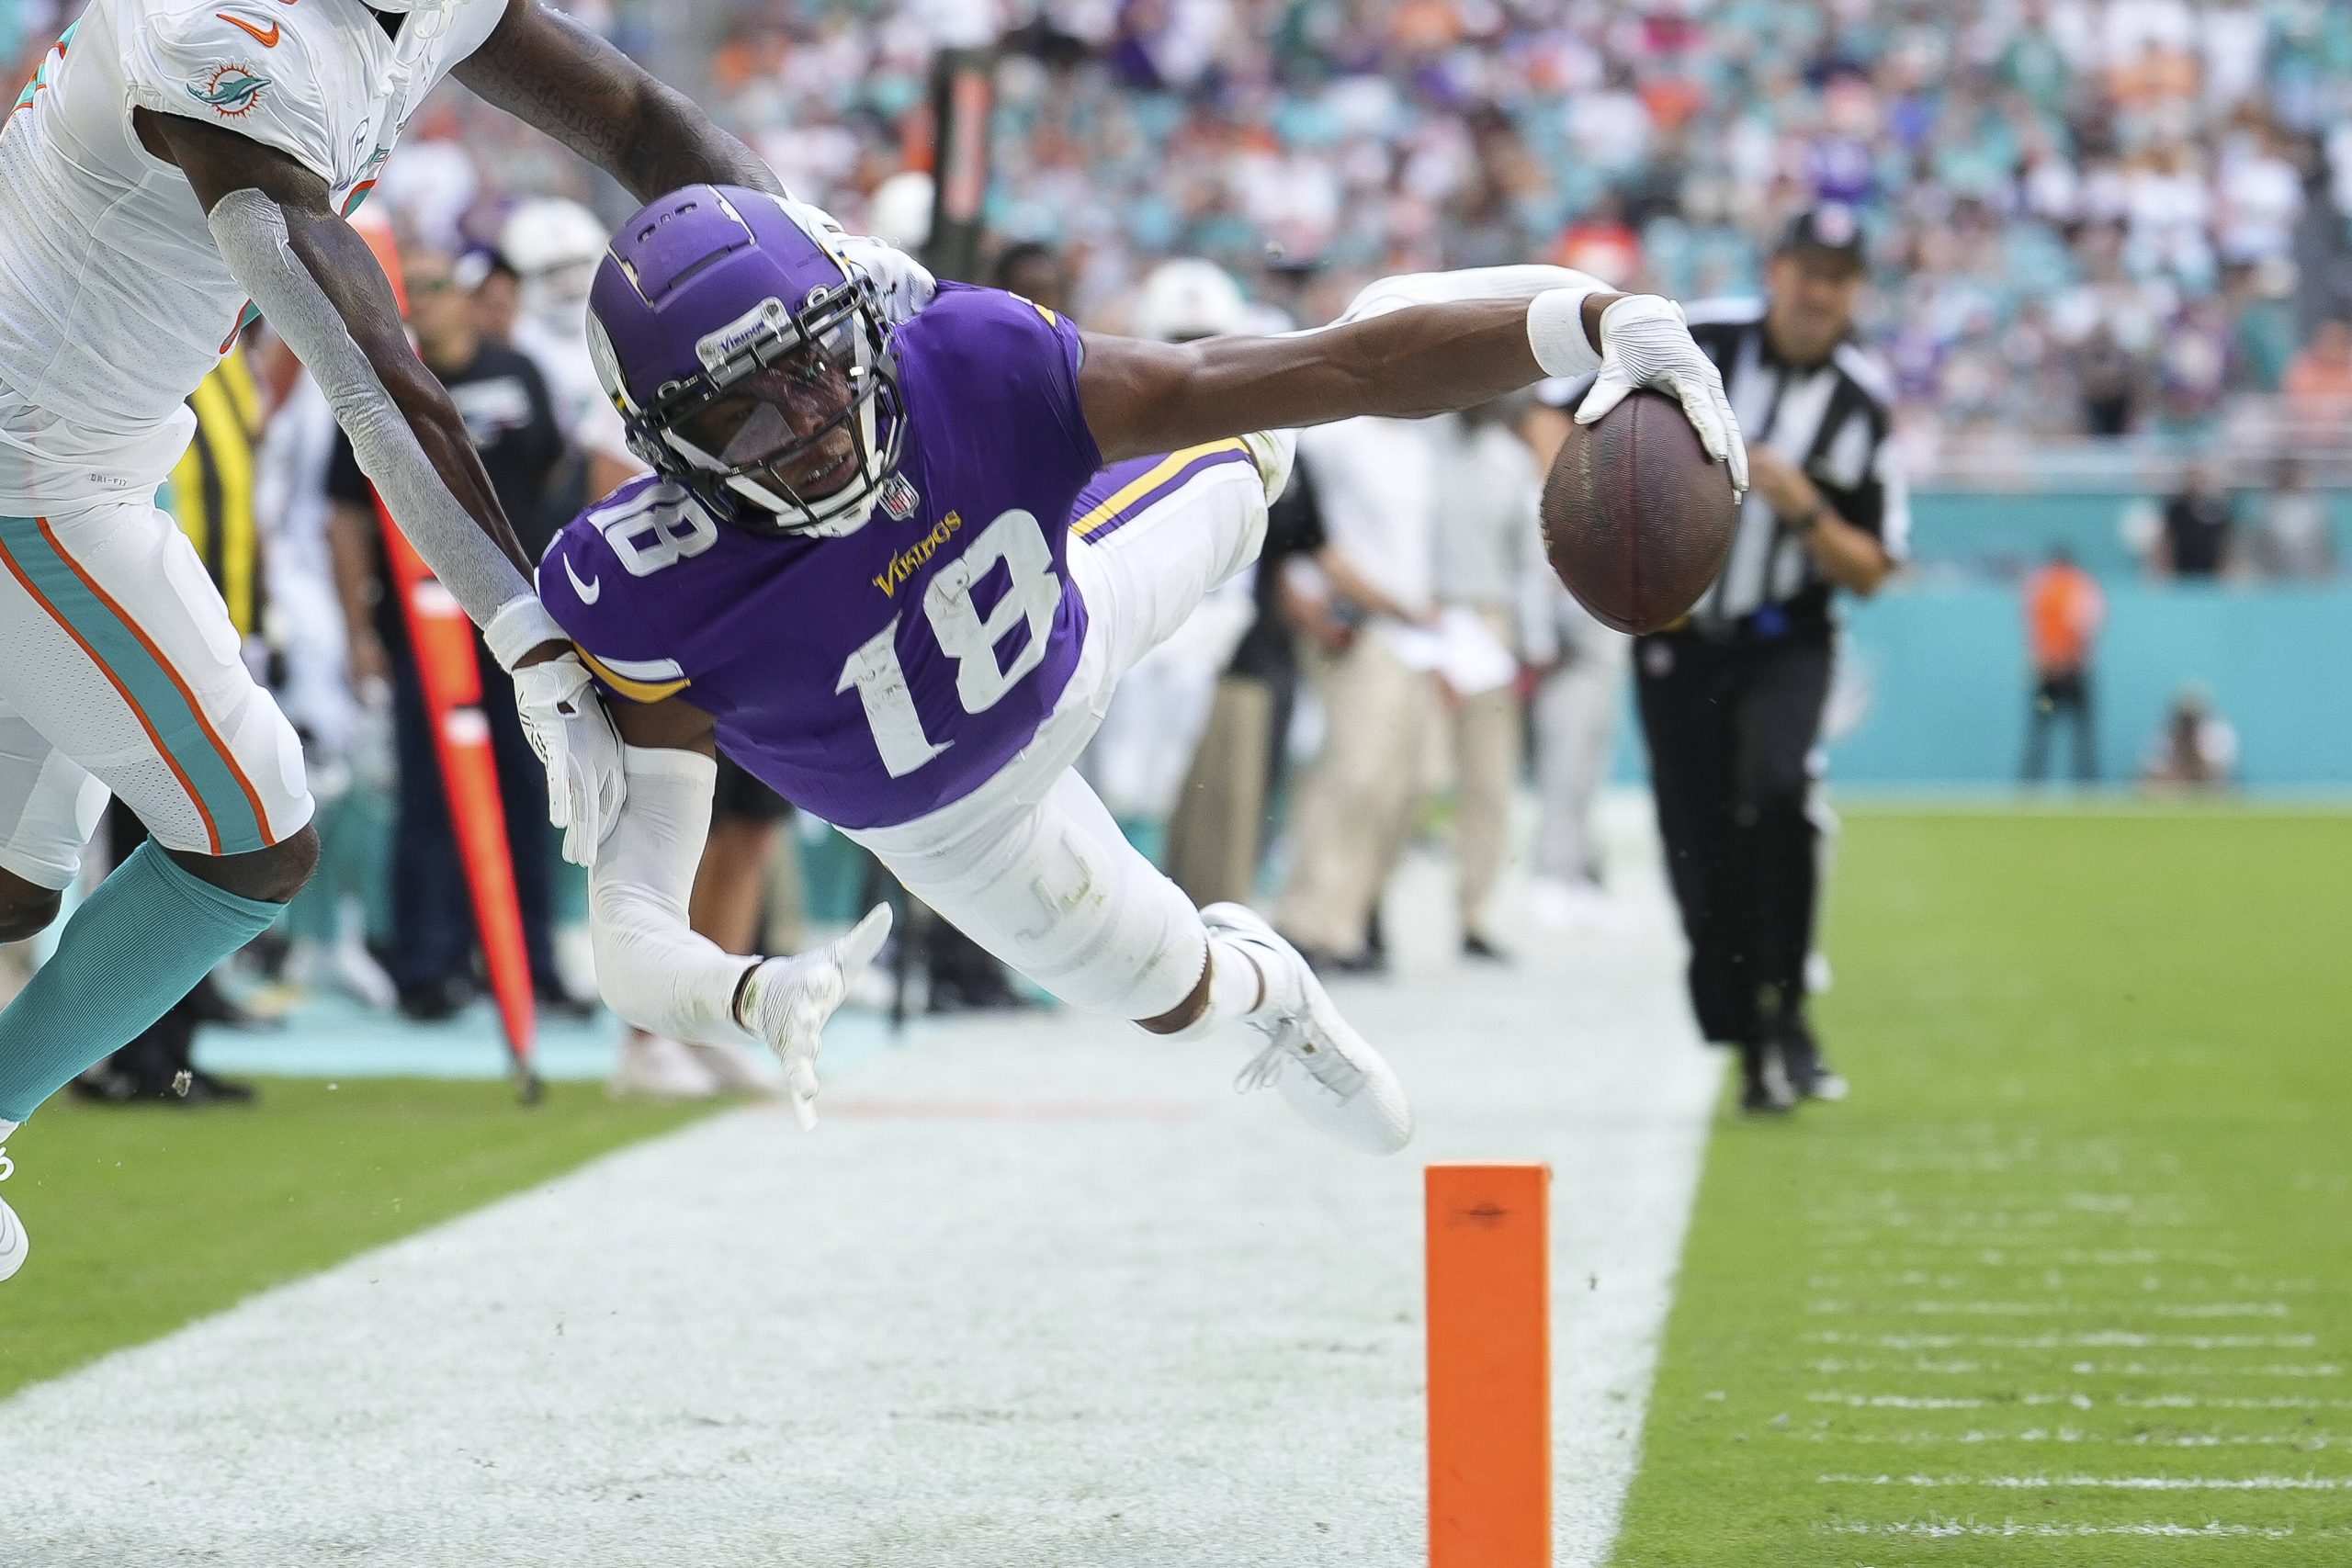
column 553, row 247
column 1303, row 587
column 1378, row 487
column 1579, row 677
column 504, row 404
column 2318, row 382
column 2110, row 379
column 497, row 291
column 1036, row 273
column 2293, row 540
column 1490, row 572
column 2197, row 526
column 2064, row 612
column 2196, row 750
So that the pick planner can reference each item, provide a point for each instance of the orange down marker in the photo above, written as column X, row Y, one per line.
column 1490, row 1366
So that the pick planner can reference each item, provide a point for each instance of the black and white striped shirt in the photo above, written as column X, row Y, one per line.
column 1836, row 422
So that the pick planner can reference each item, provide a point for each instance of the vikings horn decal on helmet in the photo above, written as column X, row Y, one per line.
column 749, row 361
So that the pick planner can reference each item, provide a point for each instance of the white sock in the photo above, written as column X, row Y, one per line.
column 1236, row 987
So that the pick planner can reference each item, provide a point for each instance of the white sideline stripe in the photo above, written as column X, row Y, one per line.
column 2104, row 1482
column 925, row 1342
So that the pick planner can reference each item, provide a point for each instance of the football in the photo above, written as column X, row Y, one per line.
column 1638, row 519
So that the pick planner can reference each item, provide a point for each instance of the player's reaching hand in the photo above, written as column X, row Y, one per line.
column 1646, row 341
column 785, row 1002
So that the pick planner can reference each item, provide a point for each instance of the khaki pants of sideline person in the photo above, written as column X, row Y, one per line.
column 1219, row 823
column 1355, row 803
column 1485, row 766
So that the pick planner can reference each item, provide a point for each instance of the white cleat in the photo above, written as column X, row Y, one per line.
column 656, row 1067
column 15, row 1245
column 1322, row 1066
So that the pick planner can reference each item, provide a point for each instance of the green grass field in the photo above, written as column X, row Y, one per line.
column 2068, row 1281
column 144, row 1219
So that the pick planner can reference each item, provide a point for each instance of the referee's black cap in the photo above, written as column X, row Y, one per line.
column 1830, row 231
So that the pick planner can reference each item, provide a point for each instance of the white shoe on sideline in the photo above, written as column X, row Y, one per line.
column 655, row 1067
column 752, row 1072
column 1578, row 907
column 1323, row 1067
column 15, row 1245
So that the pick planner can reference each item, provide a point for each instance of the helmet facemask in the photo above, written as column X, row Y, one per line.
column 794, row 421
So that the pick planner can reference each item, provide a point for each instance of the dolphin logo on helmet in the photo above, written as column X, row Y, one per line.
column 715, row 299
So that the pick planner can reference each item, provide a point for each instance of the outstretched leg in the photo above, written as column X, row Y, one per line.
column 1051, row 886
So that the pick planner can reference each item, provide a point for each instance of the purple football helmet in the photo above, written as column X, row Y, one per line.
column 750, row 363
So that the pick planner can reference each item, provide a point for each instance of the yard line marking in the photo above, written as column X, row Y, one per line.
column 2079, row 1401
column 1934, row 1529
column 2103, row 1482
column 2312, row 1442
column 2064, row 1258
column 2099, row 1339
column 2056, row 1308
column 2082, row 1369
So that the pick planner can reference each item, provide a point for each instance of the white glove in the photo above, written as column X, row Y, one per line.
column 785, row 1002
column 1645, row 342
column 577, row 744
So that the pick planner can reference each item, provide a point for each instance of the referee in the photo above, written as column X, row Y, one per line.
column 1731, row 697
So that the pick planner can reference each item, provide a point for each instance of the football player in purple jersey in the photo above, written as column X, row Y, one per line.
column 902, row 540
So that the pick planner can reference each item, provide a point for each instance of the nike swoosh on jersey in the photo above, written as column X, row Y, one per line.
column 266, row 39
column 590, row 591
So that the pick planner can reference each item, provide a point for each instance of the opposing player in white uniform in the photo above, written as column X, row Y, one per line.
column 175, row 164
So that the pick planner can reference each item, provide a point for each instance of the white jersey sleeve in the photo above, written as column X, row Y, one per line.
column 238, row 66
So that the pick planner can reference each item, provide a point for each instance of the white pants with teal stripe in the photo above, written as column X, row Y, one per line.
column 119, row 671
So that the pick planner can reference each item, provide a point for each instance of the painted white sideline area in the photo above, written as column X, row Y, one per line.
column 1036, row 1293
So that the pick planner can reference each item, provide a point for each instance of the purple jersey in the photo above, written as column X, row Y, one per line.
column 875, row 677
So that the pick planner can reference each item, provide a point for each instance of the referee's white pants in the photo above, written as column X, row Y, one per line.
column 1031, row 864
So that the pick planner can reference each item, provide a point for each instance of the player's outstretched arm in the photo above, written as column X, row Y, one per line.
column 319, row 285
column 1410, row 348
column 548, row 71
column 652, row 966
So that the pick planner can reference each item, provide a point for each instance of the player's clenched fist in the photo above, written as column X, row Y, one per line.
column 785, row 1002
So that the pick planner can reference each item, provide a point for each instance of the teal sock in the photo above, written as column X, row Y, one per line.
column 135, row 947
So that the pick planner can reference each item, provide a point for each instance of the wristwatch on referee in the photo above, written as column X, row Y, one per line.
column 1805, row 523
